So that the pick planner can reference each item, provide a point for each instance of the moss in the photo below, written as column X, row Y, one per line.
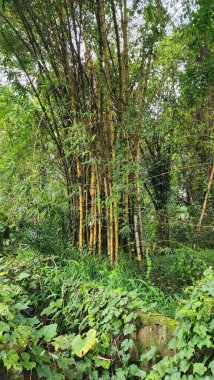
column 152, row 330
column 157, row 319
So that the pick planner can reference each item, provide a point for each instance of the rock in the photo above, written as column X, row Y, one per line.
column 152, row 330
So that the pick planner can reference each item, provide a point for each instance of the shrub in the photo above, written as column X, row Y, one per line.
column 177, row 270
column 61, row 326
column 194, row 338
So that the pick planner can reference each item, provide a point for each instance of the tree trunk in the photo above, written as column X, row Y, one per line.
column 163, row 229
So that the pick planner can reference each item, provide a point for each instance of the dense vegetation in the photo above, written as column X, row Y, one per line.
column 106, row 196
column 72, row 319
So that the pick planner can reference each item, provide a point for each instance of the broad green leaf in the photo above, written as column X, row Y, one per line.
column 127, row 344
column 199, row 368
column 10, row 359
column 102, row 362
column 211, row 366
column 201, row 330
column 48, row 332
column 128, row 329
column 63, row 342
column 22, row 306
column 32, row 321
column 4, row 327
column 45, row 371
column 120, row 375
column 134, row 370
column 149, row 354
column 27, row 364
column 23, row 275
column 184, row 365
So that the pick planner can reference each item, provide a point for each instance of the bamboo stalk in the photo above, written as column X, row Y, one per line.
column 111, row 229
column 116, row 232
column 95, row 210
column 206, row 198
column 137, row 241
column 107, row 218
column 79, row 174
column 92, row 221
column 99, row 210
column 140, row 224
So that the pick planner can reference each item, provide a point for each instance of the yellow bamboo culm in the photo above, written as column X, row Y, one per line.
column 107, row 217
column 126, row 200
column 137, row 241
column 126, row 203
column 206, row 198
column 91, row 241
column 113, row 219
column 125, row 65
column 140, row 224
column 79, row 174
column 116, row 233
column 95, row 210
column 111, row 229
column 99, row 219
column 86, row 204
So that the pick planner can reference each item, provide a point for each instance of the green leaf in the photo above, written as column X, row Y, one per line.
column 201, row 330
column 48, row 332
column 128, row 329
column 149, row 354
column 212, row 325
column 53, row 307
column 10, row 359
column 153, row 376
column 32, row 321
column 184, row 365
column 4, row 327
column 63, row 342
column 134, row 370
column 209, row 288
column 120, row 375
column 22, row 306
column 102, row 362
column 27, row 364
column 22, row 275
column 211, row 366
column 45, row 371
column 199, row 368
column 175, row 376
column 127, row 344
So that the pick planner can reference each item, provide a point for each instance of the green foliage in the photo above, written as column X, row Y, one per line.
column 62, row 325
column 179, row 268
column 77, row 321
column 106, row 136
column 45, row 237
column 193, row 339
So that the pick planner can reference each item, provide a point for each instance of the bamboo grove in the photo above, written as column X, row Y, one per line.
column 88, row 64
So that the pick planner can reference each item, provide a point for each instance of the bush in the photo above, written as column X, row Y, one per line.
column 194, row 338
column 177, row 270
column 61, row 325
column 45, row 237
column 72, row 319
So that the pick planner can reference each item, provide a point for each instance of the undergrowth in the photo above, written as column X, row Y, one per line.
column 64, row 318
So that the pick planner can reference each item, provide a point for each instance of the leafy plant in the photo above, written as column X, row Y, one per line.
column 178, row 269
column 194, row 338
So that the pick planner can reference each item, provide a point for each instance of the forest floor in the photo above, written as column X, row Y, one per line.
column 71, row 316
